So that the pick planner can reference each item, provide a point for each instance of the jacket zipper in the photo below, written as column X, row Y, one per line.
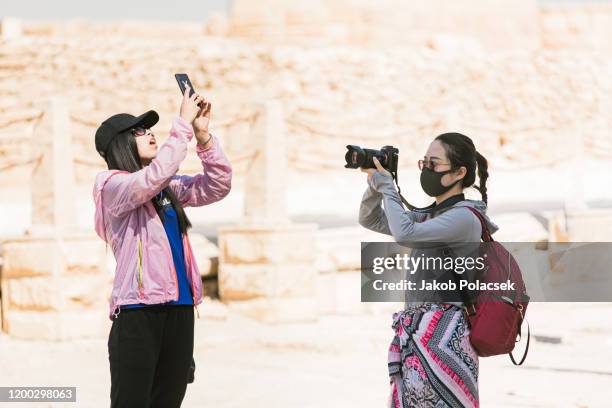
column 174, row 275
column 175, row 278
column 140, row 285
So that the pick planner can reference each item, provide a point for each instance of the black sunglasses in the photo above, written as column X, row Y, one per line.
column 139, row 131
column 430, row 164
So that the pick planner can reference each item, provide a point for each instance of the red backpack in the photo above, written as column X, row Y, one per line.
column 495, row 316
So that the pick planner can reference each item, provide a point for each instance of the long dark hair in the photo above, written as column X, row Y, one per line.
column 122, row 154
column 461, row 151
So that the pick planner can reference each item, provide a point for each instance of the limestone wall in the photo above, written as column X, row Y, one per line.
column 493, row 24
column 585, row 27
column 517, row 103
column 515, row 106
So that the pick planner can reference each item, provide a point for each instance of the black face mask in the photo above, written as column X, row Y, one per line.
column 432, row 184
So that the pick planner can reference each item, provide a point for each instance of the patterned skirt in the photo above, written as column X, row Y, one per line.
column 431, row 360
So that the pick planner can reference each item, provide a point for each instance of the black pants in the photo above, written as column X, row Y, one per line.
column 150, row 351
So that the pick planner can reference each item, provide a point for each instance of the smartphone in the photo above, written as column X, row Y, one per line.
column 183, row 80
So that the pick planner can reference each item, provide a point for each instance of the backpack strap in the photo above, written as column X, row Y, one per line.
column 469, row 306
column 526, row 350
column 486, row 235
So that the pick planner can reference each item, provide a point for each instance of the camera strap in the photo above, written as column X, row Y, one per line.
column 405, row 202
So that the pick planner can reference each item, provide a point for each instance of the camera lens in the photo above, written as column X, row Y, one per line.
column 355, row 157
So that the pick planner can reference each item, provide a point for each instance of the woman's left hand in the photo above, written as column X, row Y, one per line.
column 201, row 121
column 378, row 168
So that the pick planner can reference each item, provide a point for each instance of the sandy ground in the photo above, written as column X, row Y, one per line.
column 339, row 361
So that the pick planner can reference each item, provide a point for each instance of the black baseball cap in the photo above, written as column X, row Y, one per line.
column 119, row 123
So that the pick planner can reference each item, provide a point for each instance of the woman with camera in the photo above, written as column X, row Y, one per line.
column 431, row 360
column 140, row 212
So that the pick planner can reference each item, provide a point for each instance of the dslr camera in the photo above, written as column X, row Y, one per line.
column 359, row 157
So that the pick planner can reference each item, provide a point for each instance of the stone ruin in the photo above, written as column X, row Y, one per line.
column 293, row 77
column 265, row 259
column 54, row 281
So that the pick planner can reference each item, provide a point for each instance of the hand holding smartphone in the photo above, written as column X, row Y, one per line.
column 184, row 81
column 191, row 104
column 202, row 117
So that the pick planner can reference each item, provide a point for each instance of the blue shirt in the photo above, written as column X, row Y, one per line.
column 173, row 231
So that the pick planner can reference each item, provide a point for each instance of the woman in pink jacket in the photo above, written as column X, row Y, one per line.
column 139, row 213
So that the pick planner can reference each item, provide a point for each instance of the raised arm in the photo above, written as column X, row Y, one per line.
column 371, row 214
column 212, row 184
column 453, row 225
column 126, row 191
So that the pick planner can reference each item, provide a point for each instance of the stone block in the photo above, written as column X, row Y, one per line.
column 206, row 254
column 260, row 245
column 249, row 281
column 52, row 184
column 34, row 293
column 266, row 261
column 592, row 225
column 54, row 325
column 266, row 182
column 31, row 258
column 339, row 249
column 71, row 292
column 519, row 227
column 52, row 256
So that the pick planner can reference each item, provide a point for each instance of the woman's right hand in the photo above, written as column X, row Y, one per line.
column 379, row 168
column 189, row 105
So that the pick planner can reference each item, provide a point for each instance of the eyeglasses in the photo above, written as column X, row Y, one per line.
column 430, row 164
column 139, row 131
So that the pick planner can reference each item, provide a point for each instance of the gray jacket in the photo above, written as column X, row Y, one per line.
column 450, row 225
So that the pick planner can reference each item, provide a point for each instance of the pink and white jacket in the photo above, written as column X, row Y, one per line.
column 126, row 219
